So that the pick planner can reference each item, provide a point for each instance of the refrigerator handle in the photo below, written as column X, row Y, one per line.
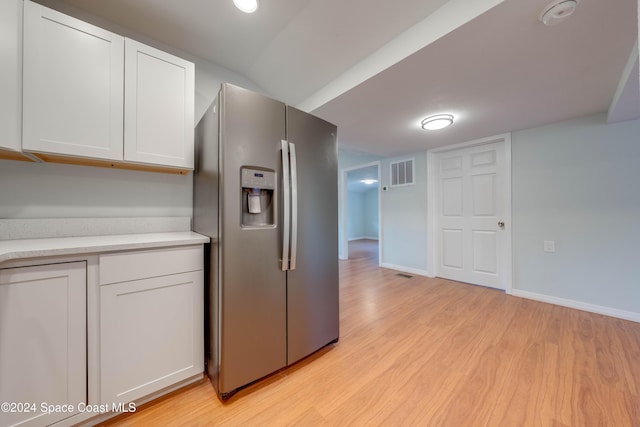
column 286, row 208
column 294, row 206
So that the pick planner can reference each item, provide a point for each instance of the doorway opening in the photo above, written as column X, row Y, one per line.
column 360, row 219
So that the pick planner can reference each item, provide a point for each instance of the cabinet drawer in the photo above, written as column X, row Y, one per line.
column 127, row 266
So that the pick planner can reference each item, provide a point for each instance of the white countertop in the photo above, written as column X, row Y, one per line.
column 57, row 246
column 46, row 237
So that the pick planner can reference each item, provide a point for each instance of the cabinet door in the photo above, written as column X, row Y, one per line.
column 73, row 86
column 151, row 335
column 11, row 72
column 159, row 103
column 42, row 340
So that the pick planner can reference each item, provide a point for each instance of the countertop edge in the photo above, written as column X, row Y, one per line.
column 12, row 250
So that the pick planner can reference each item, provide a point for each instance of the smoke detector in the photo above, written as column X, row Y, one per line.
column 557, row 11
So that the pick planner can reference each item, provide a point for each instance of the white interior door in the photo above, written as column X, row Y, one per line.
column 471, row 204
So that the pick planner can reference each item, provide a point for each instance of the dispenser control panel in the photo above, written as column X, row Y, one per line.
column 254, row 178
column 258, row 202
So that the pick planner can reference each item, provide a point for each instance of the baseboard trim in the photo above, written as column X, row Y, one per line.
column 402, row 268
column 91, row 419
column 579, row 305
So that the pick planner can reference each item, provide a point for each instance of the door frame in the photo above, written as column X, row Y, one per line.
column 343, row 238
column 433, row 204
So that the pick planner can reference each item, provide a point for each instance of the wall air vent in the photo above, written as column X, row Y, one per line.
column 402, row 173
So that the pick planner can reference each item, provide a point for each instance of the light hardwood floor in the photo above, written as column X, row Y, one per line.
column 432, row 352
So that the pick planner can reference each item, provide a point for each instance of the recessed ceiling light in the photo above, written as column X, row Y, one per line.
column 247, row 6
column 368, row 181
column 557, row 11
column 439, row 121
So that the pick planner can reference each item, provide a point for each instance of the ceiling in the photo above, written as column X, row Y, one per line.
column 376, row 68
column 356, row 176
column 290, row 48
column 501, row 72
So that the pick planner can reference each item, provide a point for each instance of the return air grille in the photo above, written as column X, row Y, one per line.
column 402, row 173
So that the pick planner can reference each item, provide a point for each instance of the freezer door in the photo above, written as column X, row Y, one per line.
column 252, row 285
column 312, row 286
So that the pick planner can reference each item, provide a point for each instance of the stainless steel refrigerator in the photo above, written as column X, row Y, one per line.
column 266, row 192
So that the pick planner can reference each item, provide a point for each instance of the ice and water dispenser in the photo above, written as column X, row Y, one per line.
column 258, row 204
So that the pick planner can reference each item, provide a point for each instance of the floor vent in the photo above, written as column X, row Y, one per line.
column 405, row 275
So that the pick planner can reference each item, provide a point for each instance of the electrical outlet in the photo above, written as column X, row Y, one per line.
column 549, row 246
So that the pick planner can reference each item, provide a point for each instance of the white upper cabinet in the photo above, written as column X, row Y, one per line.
column 11, row 72
column 88, row 93
column 73, row 80
column 159, row 102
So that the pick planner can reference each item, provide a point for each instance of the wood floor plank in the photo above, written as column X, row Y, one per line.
column 432, row 352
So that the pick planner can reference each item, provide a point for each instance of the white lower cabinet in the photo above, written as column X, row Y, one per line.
column 78, row 336
column 151, row 321
column 43, row 353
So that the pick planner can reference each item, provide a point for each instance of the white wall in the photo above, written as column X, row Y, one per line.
column 30, row 190
column 404, row 219
column 577, row 183
column 355, row 215
column 42, row 190
column 370, row 207
column 209, row 76
column 362, row 214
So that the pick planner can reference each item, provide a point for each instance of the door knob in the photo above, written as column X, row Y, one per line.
column 501, row 224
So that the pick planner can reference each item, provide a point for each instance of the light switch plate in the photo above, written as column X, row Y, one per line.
column 549, row 246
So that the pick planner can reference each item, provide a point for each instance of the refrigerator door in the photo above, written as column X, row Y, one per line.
column 252, row 313
column 205, row 221
column 312, row 287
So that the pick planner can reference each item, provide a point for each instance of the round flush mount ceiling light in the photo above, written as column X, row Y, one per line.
column 557, row 11
column 368, row 181
column 247, row 6
column 439, row 121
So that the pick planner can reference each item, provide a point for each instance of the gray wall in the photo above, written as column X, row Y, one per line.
column 577, row 183
column 404, row 219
